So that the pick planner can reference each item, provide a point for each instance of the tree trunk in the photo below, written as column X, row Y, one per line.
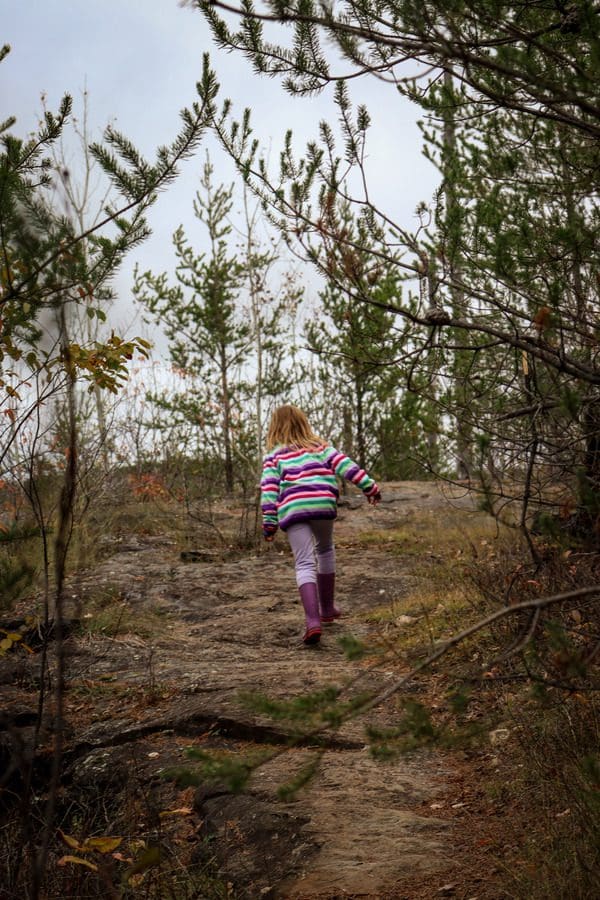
column 360, row 427
column 591, row 422
column 464, row 437
column 226, row 420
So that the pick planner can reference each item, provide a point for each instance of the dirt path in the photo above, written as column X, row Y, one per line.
column 224, row 628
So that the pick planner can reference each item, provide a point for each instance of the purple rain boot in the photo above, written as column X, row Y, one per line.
column 326, row 586
column 310, row 602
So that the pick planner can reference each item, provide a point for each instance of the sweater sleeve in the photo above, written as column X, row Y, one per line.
column 269, row 494
column 346, row 468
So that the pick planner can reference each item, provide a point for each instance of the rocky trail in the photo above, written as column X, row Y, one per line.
column 186, row 641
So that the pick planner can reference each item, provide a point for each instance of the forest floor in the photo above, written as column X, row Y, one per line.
column 165, row 655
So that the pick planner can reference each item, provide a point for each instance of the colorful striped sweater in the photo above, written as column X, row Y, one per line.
column 299, row 484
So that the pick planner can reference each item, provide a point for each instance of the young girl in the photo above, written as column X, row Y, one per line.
column 299, row 495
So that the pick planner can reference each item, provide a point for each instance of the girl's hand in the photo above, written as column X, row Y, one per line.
column 375, row 499
column 269, row 532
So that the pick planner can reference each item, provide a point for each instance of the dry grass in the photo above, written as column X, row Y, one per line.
column 547, row 783
column 439, row 551
column 110, row 615
column 446, row 531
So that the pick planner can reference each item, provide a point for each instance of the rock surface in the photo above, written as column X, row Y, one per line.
column 223, row 628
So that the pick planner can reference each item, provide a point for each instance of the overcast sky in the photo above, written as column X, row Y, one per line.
column 140, row 60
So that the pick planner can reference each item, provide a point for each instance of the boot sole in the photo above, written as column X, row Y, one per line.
column 312, row 636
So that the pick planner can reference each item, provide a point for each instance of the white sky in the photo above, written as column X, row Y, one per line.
column 140, row 60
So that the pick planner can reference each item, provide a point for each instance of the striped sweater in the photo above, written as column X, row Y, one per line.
column 299, row 484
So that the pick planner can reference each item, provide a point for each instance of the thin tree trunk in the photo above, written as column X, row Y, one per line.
column 464, row 437
column 360, row 426
column 254, row 288
column 226, row 402
column 61, row 547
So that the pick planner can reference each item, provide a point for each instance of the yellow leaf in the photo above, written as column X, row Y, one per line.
column 102, row 844
column 70, row 841
column 6, row 644
column 78, row 861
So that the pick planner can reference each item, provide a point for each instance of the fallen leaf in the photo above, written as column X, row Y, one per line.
column 70, row 841
column 182, row 811
column 102, row 844
column 78, row 861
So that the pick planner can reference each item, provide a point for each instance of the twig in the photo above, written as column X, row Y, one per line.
column 539, row 604
column 534, row 605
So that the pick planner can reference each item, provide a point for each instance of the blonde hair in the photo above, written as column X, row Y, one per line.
column 289, row 426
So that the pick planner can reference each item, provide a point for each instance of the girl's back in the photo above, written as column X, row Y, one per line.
column 299, row 495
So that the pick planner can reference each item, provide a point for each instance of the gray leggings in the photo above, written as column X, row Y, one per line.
column 312, row 546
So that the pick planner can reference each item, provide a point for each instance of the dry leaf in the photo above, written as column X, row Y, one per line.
column 70, row 841
column 78, row 861
column 101, row 844
column 182, row 811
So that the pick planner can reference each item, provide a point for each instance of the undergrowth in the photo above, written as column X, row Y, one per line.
column 532, row 677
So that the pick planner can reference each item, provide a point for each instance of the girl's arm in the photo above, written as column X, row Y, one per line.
column 269, row 495
column 346, row 468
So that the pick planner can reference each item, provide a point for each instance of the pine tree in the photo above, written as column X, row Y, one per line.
column 48, row 265
column 208, row 340
column 356, row 341
column 526, row 237
column 273, row 298
column 506, row 254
